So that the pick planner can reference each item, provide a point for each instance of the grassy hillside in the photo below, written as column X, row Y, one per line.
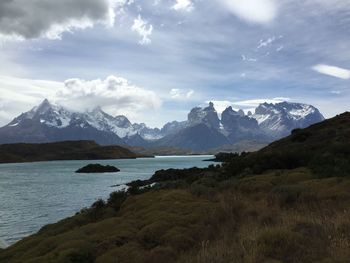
column 69, row 150
column 289, row 202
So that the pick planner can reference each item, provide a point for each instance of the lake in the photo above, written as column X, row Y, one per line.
column 35, row 194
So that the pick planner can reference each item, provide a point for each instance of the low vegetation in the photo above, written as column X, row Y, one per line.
column 289, row 202
column 67, row 150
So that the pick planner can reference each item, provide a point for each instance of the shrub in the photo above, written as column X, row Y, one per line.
column 99, row 204
column 116, row 199
column 288, row 194
column 201, row 190
column 96, row 210
column 331, row 165
column 282, row 245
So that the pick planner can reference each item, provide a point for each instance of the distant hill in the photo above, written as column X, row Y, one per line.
column 67, row 150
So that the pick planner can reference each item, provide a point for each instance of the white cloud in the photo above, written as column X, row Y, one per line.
column 183, row 5
column 254, row 11
column 246, row 105
column 181, row 94
column 221, row 105
column 245, row 58
column 267, row 42
column 143, row 29
column 256, row 102
column 332, row 71
column 114, row 94
column 19, row 95
column 336, row 92
column 23, row 19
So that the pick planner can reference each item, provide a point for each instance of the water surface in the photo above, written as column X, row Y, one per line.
column 35, row 194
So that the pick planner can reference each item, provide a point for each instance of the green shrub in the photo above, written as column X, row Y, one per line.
column 116, row 199
column 331, row 165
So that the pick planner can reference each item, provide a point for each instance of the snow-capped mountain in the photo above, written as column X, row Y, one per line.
column 280, row 119
column 202, row 130
column 238, row 126
column 50, row 122
column 207, row 115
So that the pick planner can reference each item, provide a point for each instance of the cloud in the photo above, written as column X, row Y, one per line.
column 336, row 92
column 267, row 42
column 245, row 58
column 332, row 71
column 254, row 11
column 256, row 102
column 23, row 19
column 143, row 29
column 183, row 5
column 114, row 94
column 19, row 95
column 221, row 105
column 181, row 94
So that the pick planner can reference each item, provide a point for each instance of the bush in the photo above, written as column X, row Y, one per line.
column 116, row 199
column 331, row 165
column 282, row 245
column 201, row 190
column 288, row 194
column 96, row 210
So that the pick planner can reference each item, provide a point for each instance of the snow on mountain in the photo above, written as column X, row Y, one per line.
column 147, row 133
column 48, row 114
column 269, row 121
column 283, row 117
column 102, row 121
column 173, row 127
column 57, row 116
column 206, row 115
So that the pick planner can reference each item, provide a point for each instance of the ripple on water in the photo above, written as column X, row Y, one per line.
column 35, row 194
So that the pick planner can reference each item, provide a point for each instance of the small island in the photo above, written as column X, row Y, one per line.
column 98, row 168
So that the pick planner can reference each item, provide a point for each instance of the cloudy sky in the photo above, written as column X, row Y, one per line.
column 153, row 60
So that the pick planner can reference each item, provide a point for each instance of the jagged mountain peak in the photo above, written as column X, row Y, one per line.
column 210, row 107
column 229, row 110
column 44, row 105
column 269, row 121
column 207, row 115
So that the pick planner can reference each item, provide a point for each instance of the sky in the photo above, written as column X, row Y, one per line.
column 154, row 60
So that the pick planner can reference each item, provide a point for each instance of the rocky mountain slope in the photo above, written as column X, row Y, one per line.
column 203, row 129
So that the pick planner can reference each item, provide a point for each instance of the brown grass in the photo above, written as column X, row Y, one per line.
column 279, row 216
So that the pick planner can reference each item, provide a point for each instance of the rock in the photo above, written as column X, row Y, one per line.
column 98, row 168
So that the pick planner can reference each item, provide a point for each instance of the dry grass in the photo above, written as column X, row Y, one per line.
column 309, row 229
column 280, row 216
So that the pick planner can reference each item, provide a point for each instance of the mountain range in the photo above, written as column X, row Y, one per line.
column 203, row 129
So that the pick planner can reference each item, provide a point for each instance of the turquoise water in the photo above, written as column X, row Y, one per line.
column 35, row 194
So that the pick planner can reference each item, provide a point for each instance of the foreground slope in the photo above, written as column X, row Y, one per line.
column 288, row 202
column 68, row 150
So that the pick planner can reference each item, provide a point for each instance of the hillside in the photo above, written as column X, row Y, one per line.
column 68, row 150
column 288, row 202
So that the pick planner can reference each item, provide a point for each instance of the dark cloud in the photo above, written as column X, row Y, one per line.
column 49, row 18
